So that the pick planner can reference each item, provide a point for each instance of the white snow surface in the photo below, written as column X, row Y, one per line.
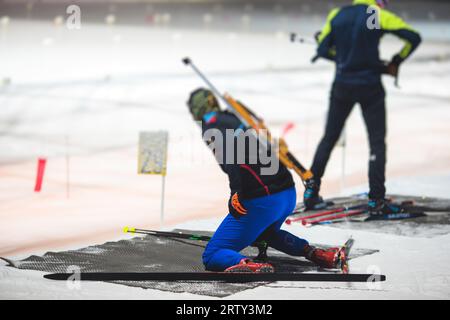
column 416, row 268
column 79, row 98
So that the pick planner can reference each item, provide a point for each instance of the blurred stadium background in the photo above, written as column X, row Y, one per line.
column 255, row 16
column 80, row 97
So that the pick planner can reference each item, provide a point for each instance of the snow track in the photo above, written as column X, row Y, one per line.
column 83, row 97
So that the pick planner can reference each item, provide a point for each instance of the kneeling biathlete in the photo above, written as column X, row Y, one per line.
column 258, row 203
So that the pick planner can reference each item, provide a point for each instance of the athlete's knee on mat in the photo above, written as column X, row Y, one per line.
column 208, row 253
column 221, row 259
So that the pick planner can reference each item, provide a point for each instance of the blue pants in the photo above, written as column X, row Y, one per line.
column 342, row 99
column 263, row 221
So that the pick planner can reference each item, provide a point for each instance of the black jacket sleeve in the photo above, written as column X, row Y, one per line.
column 215, row 135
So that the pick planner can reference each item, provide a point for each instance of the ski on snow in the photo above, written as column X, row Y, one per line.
column 366, row 217
column 356, row 213
column 324, row 213
column 215, row 277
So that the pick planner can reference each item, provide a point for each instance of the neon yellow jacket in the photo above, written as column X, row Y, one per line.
column 351, row 38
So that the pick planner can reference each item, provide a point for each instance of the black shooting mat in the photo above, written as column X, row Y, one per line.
column 154, row 254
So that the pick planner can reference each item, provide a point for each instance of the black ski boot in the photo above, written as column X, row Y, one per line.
column 311, row 198
column 380, row 207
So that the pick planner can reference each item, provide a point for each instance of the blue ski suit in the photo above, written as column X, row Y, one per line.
column 269, row 199
column 352, row 43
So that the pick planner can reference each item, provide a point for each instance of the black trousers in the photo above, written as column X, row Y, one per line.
column 372, row 100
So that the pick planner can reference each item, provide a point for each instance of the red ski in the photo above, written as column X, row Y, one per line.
column 325, row 213
column 336, row 217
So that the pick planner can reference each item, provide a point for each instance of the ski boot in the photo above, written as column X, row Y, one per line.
column 248, row 266
column 382, row 207
column 325, row 258
column 311, row 198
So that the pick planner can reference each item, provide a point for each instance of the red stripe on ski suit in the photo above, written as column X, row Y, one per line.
column 256, row 177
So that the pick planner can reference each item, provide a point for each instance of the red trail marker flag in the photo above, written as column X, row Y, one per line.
column 40, row 174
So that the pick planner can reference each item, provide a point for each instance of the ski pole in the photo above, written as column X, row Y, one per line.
column 167, row 234
column 261, row 245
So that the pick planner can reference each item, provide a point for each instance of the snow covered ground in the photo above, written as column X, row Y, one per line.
column 80, row 98
column 416, row 268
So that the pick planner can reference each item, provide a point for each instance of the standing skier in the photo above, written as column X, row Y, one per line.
column 351, row 40
column 258, row 204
